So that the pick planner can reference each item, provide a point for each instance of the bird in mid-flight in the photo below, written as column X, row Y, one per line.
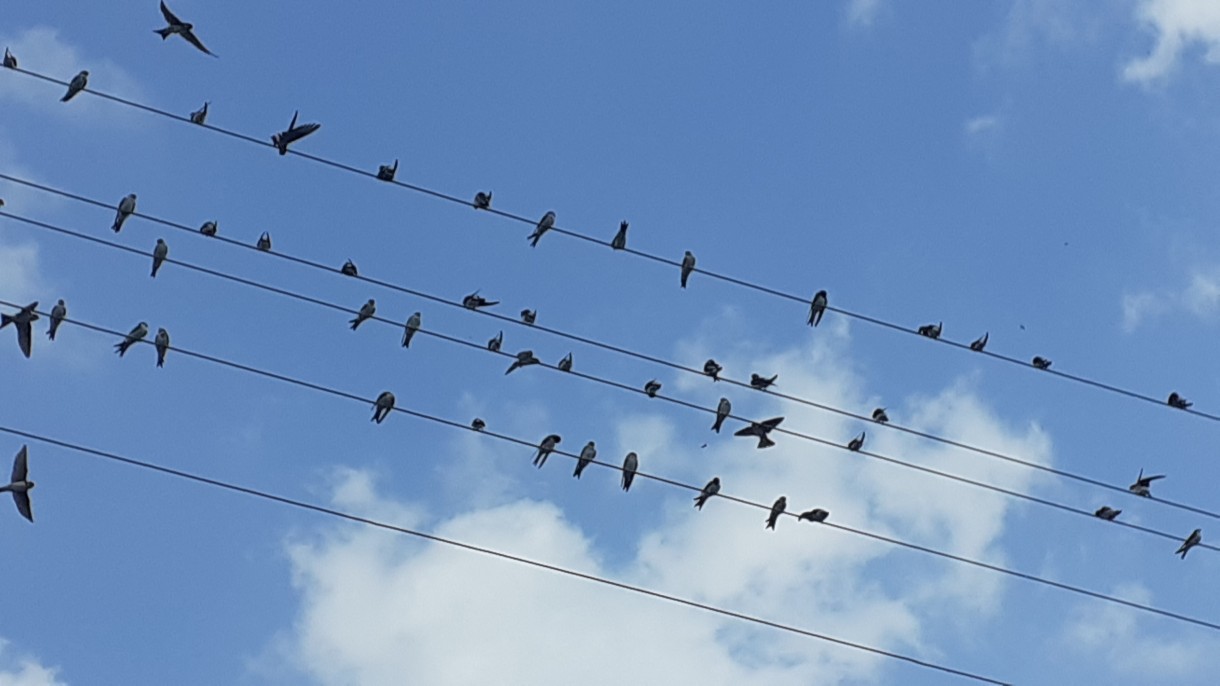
column 292, row 134
column 23, row 320
column 761, row 430
column 545, row 224
column 181, row 28
column 77, row 85
column 20, row 485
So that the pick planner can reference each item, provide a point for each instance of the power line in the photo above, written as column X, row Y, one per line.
column 637, row 253
column 300, row 504
column 616, row 384
column 689, row 487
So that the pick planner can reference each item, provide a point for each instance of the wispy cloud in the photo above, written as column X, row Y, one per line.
column 25, row 670
column 1177, row 24
column 981, row 124
column 862, row 12
column 1199, row 297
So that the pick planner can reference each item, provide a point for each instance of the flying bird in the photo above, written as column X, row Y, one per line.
column 349, row 269
column 565, row 365
column 619, row 242
column 200, row 116
column 529, row 316
column 1194, row 539
column 1041, row 363
column 292, row 134
column 688, row 266
column 880, row 416
column 587, row 455
column 264, row 242
column 10, row 60
column 545, row 224
column 931, row 330
column 761, row 429
column 815, row 515
column 777, row 509
column 77, row 85
column 382, row 406
column 411, row 327
column 478, row 424
column 722, row 412
column 1178, row 401
column 20, row 485
column 652, row 387
column 137, row 333
column 630, row 464
column 817, row 307
column 160, row 252
column 1107, row 513
column 712, row 369
column 181, row 28
column 495, row 343
column 57, row 317
column 711, row 489
column 482, row 201
column 545, row 448
column 23, row 320
column 386, row 172
column 162, row 344
column 856, row 443
column 762, row 383
column 1143, row 484
column 366, row 312
column 524, row 359
column 209, row 228
column 127, row 207
column 474, row 301
column 980, row 342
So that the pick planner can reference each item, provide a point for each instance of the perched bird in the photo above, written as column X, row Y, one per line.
column 482, row 201
column 619, row 242
column 181, row 28
column 1041, row 363
column 20, row 485
column 880, row 416
column 630, row 464
column 495, row 343
column 10, row 60
column 1194, row 539
column 777, row 509
column 209, row 228
column 160, row 252
column 200, row 116
column 474, row 301
column 1143, row 484
column 722, row 411
column 127, row 207
column 817, row 307
column 856, row 443
column 529, row 316
column 382, row 406
column 524, row 359
column 565, row 365
column 386, row 172
column 815, row 515
column 136, row 334
column 545, row 224
column 587, row 455
column 264, row 242
column 712, row 369
column 1178, row 401
column 411, row 327
column 1107, row 513
column 980, row 343
column 652, row 387
column 761, row 429
column 366, row 312
column 762, row 383
column 931, row 330
column 478, row 424
column 349, row 269
column 545, row 448
column 688, row 266
column 711, row 489
column 23, row 320
column 162, row 344
column 57, row 317
column 292, row 134
column 77, row 85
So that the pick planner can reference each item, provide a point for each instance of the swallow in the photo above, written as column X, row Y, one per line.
column 10, row 60
column 478, row 424
column 1041, row 363
column 386, row 172
column 411, row 327
column 712, row 369
column 162, row 345
column 1178, row 401
column 777, row 509
column 619, row 242
column 292, row 134
column 474, row 301
column 200, row 116
column 137, row 333
column 1143, row 484
column 980, row 342
column 630, row 464
column 722, row 412
column 529, row 316
column 688, row 266
column 1107, row 513
column 482, row 201
column 1194, row 539
column 817, row 307
column 762, row 383
column 587, row 455
column 545, row 224
column 160, row 252
column 57, row 317
column 127, row 207
column 20, row 485
column 23, row 320
column 264, row 242
column 366, row 312
column 652, row 387
column 931, row 330
column 209, row 228
column 761, row 429
column 77, row 85
column 495, row 343
column 856, row 443
column 815, row 515
column 565, row 365
column 880, row 416
column 711, row 489
column 181, row 28
column 524, row 359
column 545, row 448
column 382, row 406
column 349, row 269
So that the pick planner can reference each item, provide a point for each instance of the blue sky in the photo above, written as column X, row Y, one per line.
column 1040, row 170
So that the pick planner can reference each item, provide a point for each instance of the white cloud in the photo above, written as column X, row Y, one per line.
column 862, row 12
column 1178, row 24
column 1138, row 307
column 1200, row 297
column 982, row 124
column 25, row 671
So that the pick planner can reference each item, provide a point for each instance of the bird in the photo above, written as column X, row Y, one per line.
column 815, row 515
column 1143, row 484
column 709, row 490
column 712, row 369
column 1194, row 539
column 478, row 424
column 545, row 224
column 587, row 455
column 200, row 116
column 722, row 411
column 181, row 28
column 127, row 207
column 1041, row 363
column 162, row 344
column 762, row 383
column 20, row 485
column 209, row 228
column 366, row 312
column 57, row 317
column 980, row 342
column 931, row 330
column 77, row 85
column 619, row 242
column 137, row 333
column 160, row 252
column 495, row 343
column 565, row 365
column 856, row 443
column 1107, row 513
column 652, row 387
column 529, row 316
column 474, row 301
column 386, row 172
column 761, row 429
column 630, row 464
column 264, row 242
column 817, row 307
column 382, row 406
column 482, row 201
column 349, row 269
column 545, row 448
column 777, row 509
column 1178, row 401
column 688, row 266
column 524, row 359
column 411, row 327
column 10, row 60
column 23, row 320
column 880, row 416
column 292, row 134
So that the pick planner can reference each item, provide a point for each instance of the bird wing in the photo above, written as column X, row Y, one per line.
column 23, row 504
column 751, row 430
column 169, row 16
column 1150, row 479
column 20, row 468
column 772, row 423
column 23, row 336
column 194, row 40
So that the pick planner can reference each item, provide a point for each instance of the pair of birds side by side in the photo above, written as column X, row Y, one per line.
column 137, row 334
column 23, row 321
